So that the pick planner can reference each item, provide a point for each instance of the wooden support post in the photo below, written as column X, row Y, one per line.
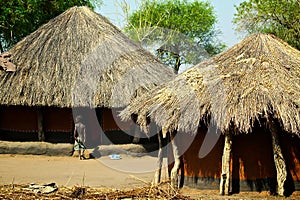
column 175, row 169
column 157, row 176
column 279, row 160
column 225, row 175
column 41, row 134
column 137, row 135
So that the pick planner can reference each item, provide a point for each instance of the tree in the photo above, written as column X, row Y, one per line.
column 21, row 17
column 180, row 31
column 279, row 17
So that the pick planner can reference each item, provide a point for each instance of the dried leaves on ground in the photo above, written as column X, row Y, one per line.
column 161, row 191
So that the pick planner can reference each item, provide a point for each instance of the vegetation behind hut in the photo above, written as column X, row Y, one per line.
column 278, row 17
column 20, row 18
column 180, row 33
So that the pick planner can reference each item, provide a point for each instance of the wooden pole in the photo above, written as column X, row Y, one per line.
column 175, row 169
column 41, row 134
column 225, row 175
column 157, row 176
column 279, row 160
column 137, row 135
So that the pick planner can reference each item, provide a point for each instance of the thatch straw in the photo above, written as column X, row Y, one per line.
column 78, row 59
column 257, row 78
column 180, row 103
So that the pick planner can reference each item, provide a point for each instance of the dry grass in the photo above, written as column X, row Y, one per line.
column 79, row 59
column 162, row 191
column 259, row 78
column 180, row 103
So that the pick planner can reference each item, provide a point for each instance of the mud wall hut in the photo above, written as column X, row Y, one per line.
column 242, row 109
column 77, row 63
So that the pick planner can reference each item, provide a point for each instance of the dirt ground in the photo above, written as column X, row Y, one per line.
column 70, row 171
column 127, row 173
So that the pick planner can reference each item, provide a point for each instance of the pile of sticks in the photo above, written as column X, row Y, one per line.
column 160, row 191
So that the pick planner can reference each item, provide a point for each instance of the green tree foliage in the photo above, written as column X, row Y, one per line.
column 19, row 18
column 184, row 32
column 279, row 17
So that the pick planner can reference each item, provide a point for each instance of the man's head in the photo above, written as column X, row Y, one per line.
column 78, row 118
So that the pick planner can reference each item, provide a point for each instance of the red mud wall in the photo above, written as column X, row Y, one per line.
column 18, row 118
column 57, row 119
column 92, row 122
column 291, row 150
column 100, row 120
column 209, row 166
column 111, row 121
column 252, row 157
column 24, row 119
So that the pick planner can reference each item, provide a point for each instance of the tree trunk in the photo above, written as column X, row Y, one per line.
column 157, row 176
column 175, row 169
column 1, row 48
column 225, row 176
column 177, row 64
column 41, row 134
column 279, row 161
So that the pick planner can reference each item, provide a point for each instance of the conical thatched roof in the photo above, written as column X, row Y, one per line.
column 181, row 102
column 78, row 59
column 255, row 79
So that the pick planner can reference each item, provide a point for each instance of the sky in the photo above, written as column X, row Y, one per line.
column 224, row 10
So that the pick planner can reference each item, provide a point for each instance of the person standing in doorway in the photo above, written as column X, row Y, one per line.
column 80, row 137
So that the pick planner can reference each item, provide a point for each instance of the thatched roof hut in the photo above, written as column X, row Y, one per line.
column 178, row 104
column 254, row 84
column 78, row 59
column 256, row 78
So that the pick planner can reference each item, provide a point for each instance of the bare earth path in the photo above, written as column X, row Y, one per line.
column 103, row 172
column 70, row 171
